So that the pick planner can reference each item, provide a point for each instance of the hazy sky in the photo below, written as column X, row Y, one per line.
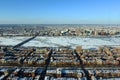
column 60, row 11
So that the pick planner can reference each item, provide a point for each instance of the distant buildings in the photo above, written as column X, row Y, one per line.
column 59, row 30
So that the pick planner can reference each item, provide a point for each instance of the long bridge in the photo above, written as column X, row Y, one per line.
column 23, row 42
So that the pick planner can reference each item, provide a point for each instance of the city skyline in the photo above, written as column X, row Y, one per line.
column 59, row 12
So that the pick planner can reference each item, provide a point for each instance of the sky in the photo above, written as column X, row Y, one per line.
column 59, row 11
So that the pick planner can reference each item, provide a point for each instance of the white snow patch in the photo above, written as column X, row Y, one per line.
column 61, row 41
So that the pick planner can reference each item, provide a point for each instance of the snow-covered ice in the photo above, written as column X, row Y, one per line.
column 11, row 40
column 61, row 41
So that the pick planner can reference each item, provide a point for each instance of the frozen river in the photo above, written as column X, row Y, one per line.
column 61, row 41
